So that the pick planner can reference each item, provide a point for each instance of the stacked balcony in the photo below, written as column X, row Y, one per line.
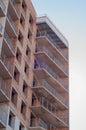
column 51, row 60
column 45, row 36
column 10, row 26
column 8, row 45
column 37, row 124
column 50, row 93
column 50, row 84
column 4, row 111
column 48, row 112
column 11, row 23
column 43, row 71
column 2, row 8
column 2, row 121
column 13, row 8
column 4, row 91
column 5, row 67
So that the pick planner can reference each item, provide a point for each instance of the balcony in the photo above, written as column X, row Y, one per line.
column 11, row 22
column 13, row 9
column 8, row 45
column 2, row 9
column 5, row 67
column 45, row 72
column 48, row 112
column 4, row 91
column 1, row 28
column 37, row 124
column 51, row 94
column 10, row 27
column 50, row 59
column 44, row 36
column 4, row 113
column 28, row 60
column 2, row 121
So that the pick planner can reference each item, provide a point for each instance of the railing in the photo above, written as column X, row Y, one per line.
column 28, row 60
column 45, row 50
column 52, row 42
column 11, row 21
column 9, row 41
column 52, row 108
column 2, row 5
column 38, row 123
column 53, row 91
column 5, row 88
column 7, row 63
column 3, row 118
column 51, row 72
column 1, row 27
column 15, row 6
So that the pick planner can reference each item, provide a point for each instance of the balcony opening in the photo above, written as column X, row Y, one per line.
column 28, row 51
column 16, row 75
column 23, row 109
column 32, row 118
column 30, row 36
column 21, row 127
column 25, row 88
column 18, row 55
column 24, row 5
column 31, row 19
column 26, row 69
column 20, row 38
column 35, row 82
column 14, row 97
column 34, row 99
column 22, row 21
column 35, row 64
column 11, row 120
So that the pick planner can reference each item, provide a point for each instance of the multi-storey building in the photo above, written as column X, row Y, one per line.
column 34, row 93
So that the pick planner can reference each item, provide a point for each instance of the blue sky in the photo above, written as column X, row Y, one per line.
column 70, row 18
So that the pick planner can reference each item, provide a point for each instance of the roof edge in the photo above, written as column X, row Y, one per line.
column 44, row 18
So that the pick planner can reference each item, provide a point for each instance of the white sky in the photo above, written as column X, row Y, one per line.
column 70, row 17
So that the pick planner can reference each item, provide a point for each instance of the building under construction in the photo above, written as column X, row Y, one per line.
column 34, row 88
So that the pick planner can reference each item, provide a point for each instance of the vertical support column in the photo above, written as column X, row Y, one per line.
column 16, row 123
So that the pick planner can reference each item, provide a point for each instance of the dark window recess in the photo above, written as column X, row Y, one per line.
column 24, row 5
column 27, row 51
column 11, row 120
column 35, row 64
column 19, row 37
column 23, row 108
column 33, row 99
column 25, row 88
column 28, row 35
column 21, row 21
column 31, row 119
column 15, row 75
column 34, row 82
column 20, row 127
column 25, row 69
column 17, row 55
column 31, row 19
column 14, row 97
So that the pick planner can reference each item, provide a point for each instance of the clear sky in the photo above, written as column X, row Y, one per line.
column 70, row 18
